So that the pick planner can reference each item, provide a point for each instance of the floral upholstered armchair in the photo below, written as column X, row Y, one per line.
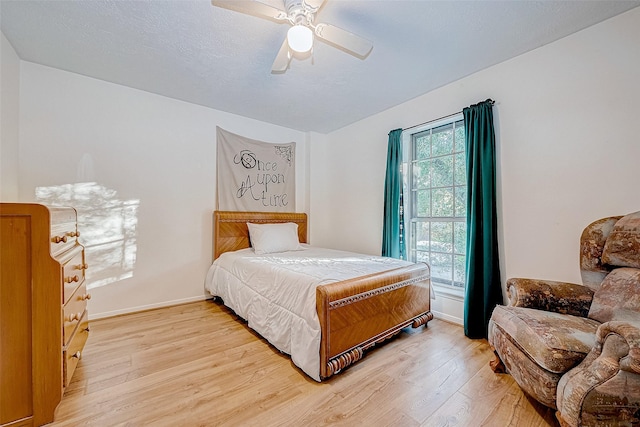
column 576, row 348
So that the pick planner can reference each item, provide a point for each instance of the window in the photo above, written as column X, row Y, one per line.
column 437, row 199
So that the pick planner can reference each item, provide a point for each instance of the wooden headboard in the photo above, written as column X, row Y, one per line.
column 230, row 232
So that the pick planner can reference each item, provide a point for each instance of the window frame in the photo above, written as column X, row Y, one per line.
column 409, row 208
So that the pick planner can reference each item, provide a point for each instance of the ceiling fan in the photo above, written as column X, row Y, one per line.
column 300, row 14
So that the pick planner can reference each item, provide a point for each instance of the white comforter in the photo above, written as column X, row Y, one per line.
column 276, row 293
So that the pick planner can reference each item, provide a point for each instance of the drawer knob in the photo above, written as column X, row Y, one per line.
column 59, row 239
column 75, row 317
column 82, row 266
column 77, row 354
column 70, row 279
column 73, row 234
column 85, row 297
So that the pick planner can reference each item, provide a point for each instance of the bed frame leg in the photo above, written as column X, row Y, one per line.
column 422, row 319
column 338, row 363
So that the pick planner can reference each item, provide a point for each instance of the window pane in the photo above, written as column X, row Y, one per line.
column 411, row 243
column 422, row 148
column 461, row 201
column 459, row 136
column 441, row 268
column 460, row 169
column 441, row 171
column 460, row 237
column 442, row 236
column 422, row 257
column 422, row 203
column 421, row 174
column 422, row 235
column 459, row 275
column 442, row 142
column 442, row 202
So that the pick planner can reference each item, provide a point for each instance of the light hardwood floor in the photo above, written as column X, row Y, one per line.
column 198, row 365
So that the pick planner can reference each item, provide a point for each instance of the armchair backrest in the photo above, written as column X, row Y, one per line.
column 594, row 236
column 607, row 244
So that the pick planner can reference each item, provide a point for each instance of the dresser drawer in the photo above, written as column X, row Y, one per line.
column 59, row 215
column 63, row 237
column 73, row 271
column 73, row 311
column 72, row 352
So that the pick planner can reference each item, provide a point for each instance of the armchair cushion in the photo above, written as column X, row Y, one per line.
column 556, row 342
column 623, row 245
column 618, row 297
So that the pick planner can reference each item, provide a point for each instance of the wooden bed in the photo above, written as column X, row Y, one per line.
column 354, row 314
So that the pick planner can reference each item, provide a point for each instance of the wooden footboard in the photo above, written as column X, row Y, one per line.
column 359, row 313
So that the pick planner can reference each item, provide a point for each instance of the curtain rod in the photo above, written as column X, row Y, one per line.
column 443, row 117
column 431, row 121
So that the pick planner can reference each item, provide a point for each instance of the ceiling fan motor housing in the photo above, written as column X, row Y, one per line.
column 299, row 13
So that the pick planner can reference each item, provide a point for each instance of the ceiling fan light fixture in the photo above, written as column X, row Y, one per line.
column 300, row 38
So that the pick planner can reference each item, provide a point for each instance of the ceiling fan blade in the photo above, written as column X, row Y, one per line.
column 283, row 58
column 314, row 4
column 344, row 40
column 252, row 7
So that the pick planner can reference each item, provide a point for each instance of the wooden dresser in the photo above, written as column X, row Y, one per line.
column 43, row 315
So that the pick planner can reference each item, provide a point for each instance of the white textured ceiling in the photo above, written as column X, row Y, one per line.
column 192, row 51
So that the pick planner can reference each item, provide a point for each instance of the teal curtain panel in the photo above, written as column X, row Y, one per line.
column 393, row 244
column 483, row 287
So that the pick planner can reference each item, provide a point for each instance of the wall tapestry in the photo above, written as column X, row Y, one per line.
column 254, row 175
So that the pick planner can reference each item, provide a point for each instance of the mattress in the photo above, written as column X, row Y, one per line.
column 276, row 293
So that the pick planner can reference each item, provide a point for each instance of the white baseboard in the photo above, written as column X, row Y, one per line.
column 448, row 318
column 96, row 316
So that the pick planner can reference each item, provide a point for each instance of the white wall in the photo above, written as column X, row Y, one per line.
column 9, row 124
column 150, row 150
column 568, row 152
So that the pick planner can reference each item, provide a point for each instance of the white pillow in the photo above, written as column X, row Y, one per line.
column 270, row 238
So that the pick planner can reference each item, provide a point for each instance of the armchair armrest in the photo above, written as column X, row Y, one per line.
column 606, row 383
column 560, row 297
column 629, row 351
